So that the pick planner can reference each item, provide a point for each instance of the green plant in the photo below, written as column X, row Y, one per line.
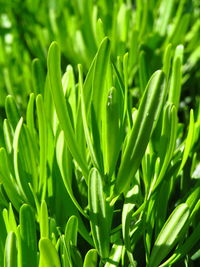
column 100, row 167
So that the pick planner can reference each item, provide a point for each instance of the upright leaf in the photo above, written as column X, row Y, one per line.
column 28, row 237
column 147, row 116
column 10, row 257
column 91, row 258
column 99, row 218
column 54, row 75
column 48, row 254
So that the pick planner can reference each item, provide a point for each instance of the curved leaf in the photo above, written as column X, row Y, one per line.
column 169, row 234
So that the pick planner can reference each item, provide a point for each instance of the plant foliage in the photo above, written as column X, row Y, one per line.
column 99, row 133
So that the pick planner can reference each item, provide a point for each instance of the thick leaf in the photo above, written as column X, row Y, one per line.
column 133, row 53
column 43, row 143
column 176, row 78
column 60, row 104
column 70, row 91
column 28, row 237
column 10, row 257
column 166, row 8
column 12, row 220
column 100, row 70
column 167, row 62
column 21, row 180
column 148, row 113
column 44, row 222
column 91, row 258
column 99, row 218
column 30, row 115
column 168, row 138
column 143, row 72
column 86, row 98
column 112, row 137
column 38, row 76
column 8, row 135
column 169, row 234
column 93, row 97
column 48, row 254
column 71, row 231
column 184, row 248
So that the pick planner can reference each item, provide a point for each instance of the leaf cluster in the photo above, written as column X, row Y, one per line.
column 99, row 162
